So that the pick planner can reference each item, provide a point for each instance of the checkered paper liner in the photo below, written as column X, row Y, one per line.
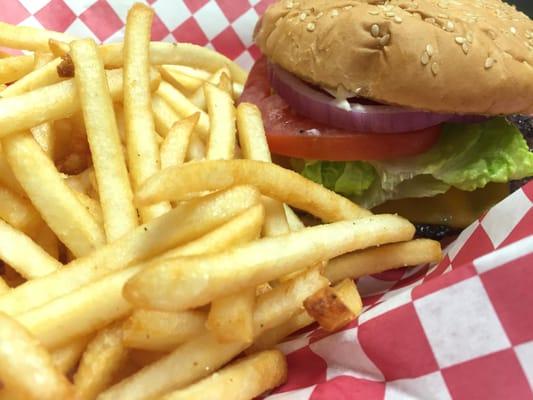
column 462, row 329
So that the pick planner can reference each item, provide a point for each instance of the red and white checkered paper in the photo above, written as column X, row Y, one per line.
column 460, row 330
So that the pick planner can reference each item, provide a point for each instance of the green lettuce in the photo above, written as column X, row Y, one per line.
column 467, row 157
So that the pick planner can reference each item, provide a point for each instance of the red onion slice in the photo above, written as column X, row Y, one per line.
column 320, row 107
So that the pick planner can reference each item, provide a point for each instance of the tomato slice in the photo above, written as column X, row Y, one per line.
column 292, row 135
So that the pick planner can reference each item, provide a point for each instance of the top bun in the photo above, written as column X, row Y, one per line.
column 462, row 56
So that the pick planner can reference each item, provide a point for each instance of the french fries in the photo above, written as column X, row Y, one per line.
column 178, row 284
column 162, row 331
column 32, row 376
column 52, row 102
column 65, row 215
column 379, row 259
column 147, row 239
column 24, row 255
column 242, row 380
column 184, row 108
column 222, row 128
column 114, row 190
column 175, row 145
column 103, row 358
column 43, row 76
column 141, row 143
column 28, row 38
column 181, row 225
column 196, row 358
column 276, row 182
column 13, row 68
column 334, row 308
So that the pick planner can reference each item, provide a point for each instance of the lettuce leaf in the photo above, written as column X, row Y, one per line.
column 467, row 157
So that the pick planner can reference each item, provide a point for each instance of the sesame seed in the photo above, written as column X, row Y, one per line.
column 289, row 4
column 358, row 90
column 489, row 62
column 435, row 68
column 469, row 37
column 513, row 30
column 374, row 30
column 390, row 14
column 460, row 40
column 424, row 58
column 310, row 26
column 430, row 20
column 465, row 47
column 444, row 16
column 450, row 26
column 373, row 12
column 348, row 7
column 334, row 12
column 384, row 40
column 320, row 14
column 429, row 50
column 398, row 19
column 303, row 16
column 492, row 34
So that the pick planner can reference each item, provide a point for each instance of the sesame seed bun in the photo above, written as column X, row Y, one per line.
column 462, row 56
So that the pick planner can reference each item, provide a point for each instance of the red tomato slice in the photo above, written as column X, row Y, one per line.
column 292, row 135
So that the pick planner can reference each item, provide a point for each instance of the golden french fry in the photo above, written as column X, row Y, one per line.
column 241, row 229
column 114, row 190
column 231, row 317
column 252, row 140
column 52, row 103
column 204, row 354
column 180, row 80
column 26, row 367
column 225, row 85
column 186, row 222
column 244, row 379
column 180, row 283
column 43, row 76
column 272, row 337
column 165, row 117
column 224, row 311
column 198, row 97
column 44, row 135
column 41, row 59
column 177, row 53
column 66, row 358
column 93, row 206
column 197, row 73
column 24, row 255
column 104, row 356
column 7, row 178
column 57, row 204
column 58, row 47
column 184, row 108
column 18, row 212
column 273, row 181
column 80, row 312
column 334, row 308
column 14, row 68
column 222, row 130
column 162, row 331
column 379, row 259
column 175, row 145
column 295, row 224
column 141, row 143
column 28, row 38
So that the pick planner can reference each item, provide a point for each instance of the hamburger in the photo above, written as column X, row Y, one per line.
column 407, row 106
